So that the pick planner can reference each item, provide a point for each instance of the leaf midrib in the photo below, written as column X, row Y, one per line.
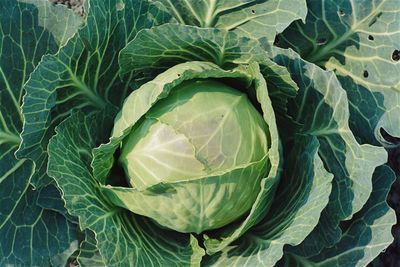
column 319, row 55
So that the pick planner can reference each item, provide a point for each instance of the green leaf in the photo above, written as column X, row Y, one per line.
column 82, row 75
column 359, row 40
column 59, row 20
column 31, row 234
column 89, row 254
column 217, row 241
column 368, row 233
column 251, row 18
column 124, row 239
column 281, row 87
column 162, row 47
column 321, row 109
column 64, row 258
column 153, row 202
column 301, row 196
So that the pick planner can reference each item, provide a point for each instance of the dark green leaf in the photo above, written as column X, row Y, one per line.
column 31, row 235
column 301, row 196
column 321, row 109
column 162, row 47
column 359, row 40
column 368, row 233
column 82, row 75
column 256, row 19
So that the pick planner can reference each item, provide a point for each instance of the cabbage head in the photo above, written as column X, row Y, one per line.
column 211, row 163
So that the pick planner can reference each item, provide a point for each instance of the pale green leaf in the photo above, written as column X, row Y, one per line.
column 251, row 18
column 58, row 20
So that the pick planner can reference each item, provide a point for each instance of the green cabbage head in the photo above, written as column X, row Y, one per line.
column 208, row 144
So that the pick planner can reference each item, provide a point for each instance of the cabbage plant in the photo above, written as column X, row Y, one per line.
column 197, row 133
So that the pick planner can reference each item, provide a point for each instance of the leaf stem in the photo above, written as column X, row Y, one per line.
column 8, row 89
column 10, row 138
column 210, row 14
column 93, row 97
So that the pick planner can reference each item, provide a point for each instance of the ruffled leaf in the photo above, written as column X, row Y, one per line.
column 162, row 47
column 31, row 233
column 255, row 19
column 83, row 75
column 301, row 196
column 321, row 109
column 367, row 234
column 359, row 40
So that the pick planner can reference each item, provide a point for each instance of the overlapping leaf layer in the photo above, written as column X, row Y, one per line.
column 323, row 75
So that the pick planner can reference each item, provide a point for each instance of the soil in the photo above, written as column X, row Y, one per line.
column 76, row 5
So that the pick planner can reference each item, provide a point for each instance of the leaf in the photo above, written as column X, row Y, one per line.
column 162, row 47
column 217, row 241
column 89, row 254
column 321, row 95
column 31, row 234
column 250, row 18
column 49, row 198
column 124, row 239
column 301, row 196
column 64, row 258
column 83, row 75
column 359, row 40
column 59, row 20
column 281, row 87
column 368, row 233
column 178, row 196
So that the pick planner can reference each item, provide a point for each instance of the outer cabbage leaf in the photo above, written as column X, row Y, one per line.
column 281, row 88
column 186, row 43
column 302, row 195
column 123, row 239
column 88, row 254
column 321, row 109
column 252, row 18
column 366, row 236
column 359, row 40
column 31, row 234
column 58, row 20
column 82, row 75
column 50, row 199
